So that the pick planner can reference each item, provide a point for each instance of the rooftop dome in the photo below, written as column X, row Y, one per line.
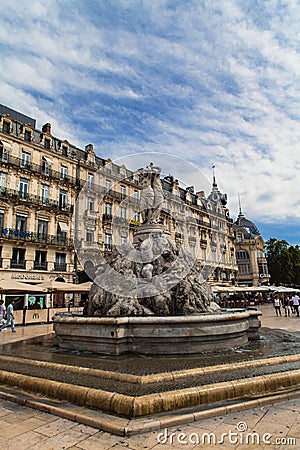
column 247, row 225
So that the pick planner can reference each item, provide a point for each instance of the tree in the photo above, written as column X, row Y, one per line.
column 283, row 262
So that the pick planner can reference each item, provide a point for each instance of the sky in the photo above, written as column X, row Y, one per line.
column 212, row 82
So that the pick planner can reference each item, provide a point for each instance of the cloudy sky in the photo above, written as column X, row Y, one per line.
column 214, row 82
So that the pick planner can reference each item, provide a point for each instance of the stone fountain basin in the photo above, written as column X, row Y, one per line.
column 156, row 335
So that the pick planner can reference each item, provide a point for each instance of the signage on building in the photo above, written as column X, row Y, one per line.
column 27, row 276
column 9, row 231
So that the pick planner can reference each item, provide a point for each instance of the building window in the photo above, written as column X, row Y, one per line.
column 1, row 256
column 23, row 188
column 64, row 150
column 223, row 256
column 3, row 179
column 40, row 261
column 240, row 237
column 47, row 144
column 244, row 268
column 123, row 191
column 27, row 135
column 136, row 179
column 90, row 180
column 1, row 222
column 45, row 166
column 44, row 194
column 90, row 204
column 242, row 254
column 6, row 127
column 60, row 262
column 42, row 229
column 3, row 153
column 92, row 161
column 18, row 258
column 260, row 254
column 90, row 235
column 108, row 185
column 25, row 159
column 108, row 209
column 122, row 213
column 63, row 172
column 107, row 242
column 61, row 232
column 21, row 222
column 203, row 254
column 62, row 198
column 136, row 217
column 136, row 196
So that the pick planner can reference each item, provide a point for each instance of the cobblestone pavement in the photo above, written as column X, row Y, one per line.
column 273, row 426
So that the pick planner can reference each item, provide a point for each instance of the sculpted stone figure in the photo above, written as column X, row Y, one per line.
column 152, row 276
column 152, row 196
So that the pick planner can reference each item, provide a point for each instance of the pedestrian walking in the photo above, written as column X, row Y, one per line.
column 295, row 302
column 10, row 317
column 2, row 312
column 277, row 305
column 287, row 306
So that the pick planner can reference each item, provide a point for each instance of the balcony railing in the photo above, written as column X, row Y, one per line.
column 60, row 267
column 40, row 169
column 47, row 239
column 40, row 266
column 10, row 194
column 17, row 264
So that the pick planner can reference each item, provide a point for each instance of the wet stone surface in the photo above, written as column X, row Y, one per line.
column 272, row 343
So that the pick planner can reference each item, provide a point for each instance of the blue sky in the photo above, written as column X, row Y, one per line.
column 214, row 82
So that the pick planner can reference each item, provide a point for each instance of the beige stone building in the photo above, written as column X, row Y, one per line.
column 250, row 253
column 41, row 179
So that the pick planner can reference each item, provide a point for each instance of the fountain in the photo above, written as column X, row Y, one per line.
column 150, row 297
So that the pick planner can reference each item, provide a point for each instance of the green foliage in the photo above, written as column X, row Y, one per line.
column 283, row 262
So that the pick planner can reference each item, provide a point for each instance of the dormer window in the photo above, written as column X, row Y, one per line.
column 240, row 237
column 64, row 150
column 6, row 127
column 92, row 161
column 47, row 143
column 27, row 135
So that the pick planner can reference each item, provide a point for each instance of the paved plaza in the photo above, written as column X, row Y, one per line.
column 268, row 426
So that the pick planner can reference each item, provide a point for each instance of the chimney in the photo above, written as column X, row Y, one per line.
column 46, row 128
column 89, row 148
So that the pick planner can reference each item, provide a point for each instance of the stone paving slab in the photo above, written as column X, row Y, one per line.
column 41, row 431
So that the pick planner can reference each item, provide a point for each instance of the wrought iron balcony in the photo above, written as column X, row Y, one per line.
column 40, row 169
column 40, row 266
column 10, row 194
column 60, row 267
column 17, row 264
column 26, row 236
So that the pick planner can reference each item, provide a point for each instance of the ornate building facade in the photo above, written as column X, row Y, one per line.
column 250, row 253
column 41, row 179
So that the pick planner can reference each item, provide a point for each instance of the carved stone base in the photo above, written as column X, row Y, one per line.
column 176, row 335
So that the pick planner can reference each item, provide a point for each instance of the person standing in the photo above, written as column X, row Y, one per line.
column 10, row 317
column 287, row 306
column 277, row 305
column 295, row 302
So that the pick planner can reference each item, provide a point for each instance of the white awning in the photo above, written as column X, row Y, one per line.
column 6, row 145
column 48, row 160
column 63, row 226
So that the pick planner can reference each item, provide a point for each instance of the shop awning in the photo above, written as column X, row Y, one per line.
column 6, row 145
column 64, row 227
column 48, row 160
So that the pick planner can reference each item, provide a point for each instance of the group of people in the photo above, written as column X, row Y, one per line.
column 7, row 316
column 289, row 304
